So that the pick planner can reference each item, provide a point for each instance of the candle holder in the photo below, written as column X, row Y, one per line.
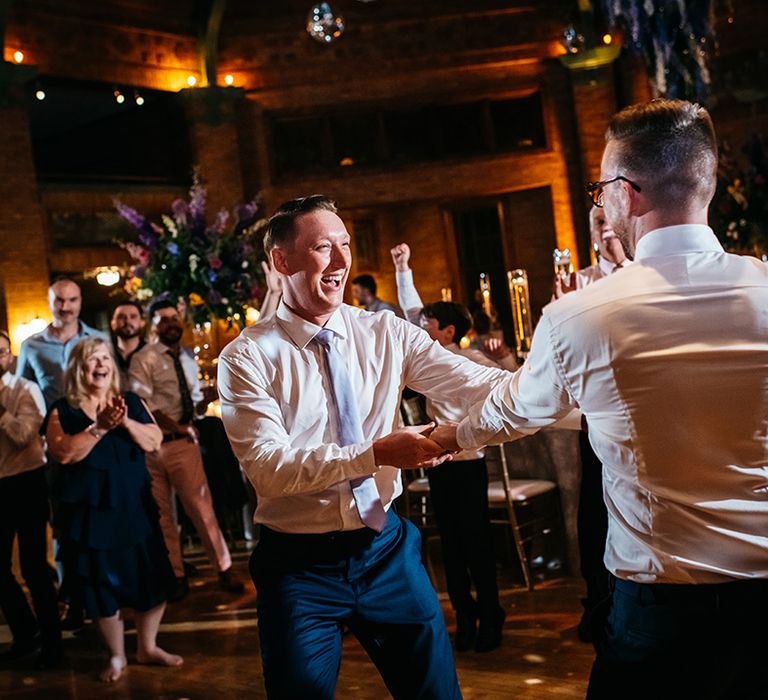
column 485, row 290
column 562, row 260
column 519, row 296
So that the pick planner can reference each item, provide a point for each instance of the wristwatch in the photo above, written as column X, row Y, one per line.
column 95, row 431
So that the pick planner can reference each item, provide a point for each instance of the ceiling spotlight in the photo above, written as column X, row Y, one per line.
column 138, row 98
column 607, row 39
column 119, row 97
column 191, row 80
column 18, row 56
column 229, row 79
column 40, row 95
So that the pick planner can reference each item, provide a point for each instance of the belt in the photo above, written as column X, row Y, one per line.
column 736, row 590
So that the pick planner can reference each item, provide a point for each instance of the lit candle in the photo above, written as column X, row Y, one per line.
column 485, row 290
column 521, row 311
column 446, row 294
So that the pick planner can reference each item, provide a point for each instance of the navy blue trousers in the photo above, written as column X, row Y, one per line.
column 671, row 641
column 310, row 586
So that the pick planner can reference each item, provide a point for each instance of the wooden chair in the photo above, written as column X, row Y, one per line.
column 529, row 507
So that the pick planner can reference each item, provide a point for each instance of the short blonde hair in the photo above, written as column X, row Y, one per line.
column 75, row 382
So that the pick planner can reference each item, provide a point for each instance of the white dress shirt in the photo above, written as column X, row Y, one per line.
column 153, row 378
column 277, row 408
column 669, row 363
column 21, row 446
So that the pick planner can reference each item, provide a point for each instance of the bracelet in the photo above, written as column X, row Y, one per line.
column 95, row 431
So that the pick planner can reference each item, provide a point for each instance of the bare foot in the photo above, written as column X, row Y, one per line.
column 114, row 669
column 160, row 657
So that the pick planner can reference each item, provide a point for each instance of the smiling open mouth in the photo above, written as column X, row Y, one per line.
column 333, row 281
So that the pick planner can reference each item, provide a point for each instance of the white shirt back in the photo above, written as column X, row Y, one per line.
column 669, row 362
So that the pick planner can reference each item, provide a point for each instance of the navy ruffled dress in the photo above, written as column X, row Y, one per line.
column 110, row 542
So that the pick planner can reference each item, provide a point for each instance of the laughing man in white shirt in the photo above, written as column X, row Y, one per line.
column 328, row 554
column 669, row 363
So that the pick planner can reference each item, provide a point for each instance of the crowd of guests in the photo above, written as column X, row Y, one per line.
column 120, row 444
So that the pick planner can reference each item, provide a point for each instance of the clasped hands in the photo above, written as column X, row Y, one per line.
column 417, row 446
column 112, row 414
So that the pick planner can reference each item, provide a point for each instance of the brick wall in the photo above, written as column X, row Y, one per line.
column 23, row 263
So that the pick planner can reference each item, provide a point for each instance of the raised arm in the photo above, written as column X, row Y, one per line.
column 407, row 296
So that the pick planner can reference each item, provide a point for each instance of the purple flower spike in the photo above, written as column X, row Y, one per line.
column 197, row 207
column 131, row 215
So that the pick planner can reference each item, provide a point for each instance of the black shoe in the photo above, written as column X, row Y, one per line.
column 489, row 632
column 466, row 630
column 50, row 657
column 180, row 590
column 19, row 649
column 229, row 582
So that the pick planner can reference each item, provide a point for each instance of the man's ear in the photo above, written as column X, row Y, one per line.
column 450, row 331
column 279, row 261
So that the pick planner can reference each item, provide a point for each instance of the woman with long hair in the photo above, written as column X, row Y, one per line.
column 111, row 546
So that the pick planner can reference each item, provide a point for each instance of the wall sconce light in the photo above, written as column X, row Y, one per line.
column 229, row 79
column 107, row 276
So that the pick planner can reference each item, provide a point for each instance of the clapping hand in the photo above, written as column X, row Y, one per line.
column 401, row 255
column 112, row 414
column 497, row 348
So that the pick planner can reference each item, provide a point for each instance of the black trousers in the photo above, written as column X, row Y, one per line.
column 24, row 512
column 674, row 641
column 592, row 522
column 459, row 493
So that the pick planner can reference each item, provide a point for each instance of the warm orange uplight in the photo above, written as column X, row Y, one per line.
column 18, row 56
column 229, row 79
column 191, row 80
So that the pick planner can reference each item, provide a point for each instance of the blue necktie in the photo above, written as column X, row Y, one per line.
column 350, row 430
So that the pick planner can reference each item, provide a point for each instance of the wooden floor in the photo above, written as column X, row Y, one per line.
column 540, row 656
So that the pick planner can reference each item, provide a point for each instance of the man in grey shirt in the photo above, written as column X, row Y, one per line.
column 44, row 355
column 364, row 291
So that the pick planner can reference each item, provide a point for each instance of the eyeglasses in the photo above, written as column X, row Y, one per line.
column 595, row 189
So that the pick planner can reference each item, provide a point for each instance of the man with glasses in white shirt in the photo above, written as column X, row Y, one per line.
column 310, row 402
column 669, row 363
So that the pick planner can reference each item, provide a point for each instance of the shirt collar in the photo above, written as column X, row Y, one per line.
column 301, row 332
column 677, row 240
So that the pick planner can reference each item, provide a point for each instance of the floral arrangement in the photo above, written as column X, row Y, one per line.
column 214, row 269
column 739, row 210
column 675, row 39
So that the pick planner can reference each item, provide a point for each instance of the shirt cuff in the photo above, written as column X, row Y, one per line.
column 364, row 463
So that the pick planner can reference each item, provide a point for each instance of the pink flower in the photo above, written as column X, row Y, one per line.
column 215, row 262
